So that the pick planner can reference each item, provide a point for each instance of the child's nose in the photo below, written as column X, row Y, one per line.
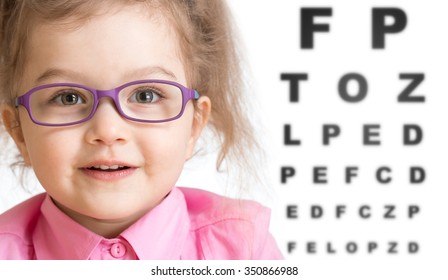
column 107, row 126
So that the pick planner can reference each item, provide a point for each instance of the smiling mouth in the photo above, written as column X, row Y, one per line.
column 106, row 168
column 111, row 171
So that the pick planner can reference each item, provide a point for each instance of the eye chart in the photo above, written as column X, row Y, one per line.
column 353, row 95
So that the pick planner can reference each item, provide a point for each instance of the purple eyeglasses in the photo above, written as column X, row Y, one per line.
column 149, row 101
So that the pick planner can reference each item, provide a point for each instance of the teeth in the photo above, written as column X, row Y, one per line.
column 106, row 167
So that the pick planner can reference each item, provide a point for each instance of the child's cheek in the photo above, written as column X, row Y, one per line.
column 165, row 147
column 49, row 145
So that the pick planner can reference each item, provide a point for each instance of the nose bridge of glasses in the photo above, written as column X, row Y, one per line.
column 111, row 93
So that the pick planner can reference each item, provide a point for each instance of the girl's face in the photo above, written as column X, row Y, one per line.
column 106, row 51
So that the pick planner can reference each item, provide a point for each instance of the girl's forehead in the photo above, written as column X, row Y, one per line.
column 150, row 10
column 122, row 40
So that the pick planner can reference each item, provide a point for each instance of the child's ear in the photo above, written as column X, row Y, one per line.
column 12, row 125
column 201, row 115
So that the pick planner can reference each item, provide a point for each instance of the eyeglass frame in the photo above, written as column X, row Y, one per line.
column 187, row 95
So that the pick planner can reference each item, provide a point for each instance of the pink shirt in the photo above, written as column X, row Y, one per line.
column 188, row 224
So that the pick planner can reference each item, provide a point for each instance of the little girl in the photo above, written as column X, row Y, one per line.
column 106, row 100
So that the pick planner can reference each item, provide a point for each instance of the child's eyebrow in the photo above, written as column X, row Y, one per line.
column 139, row 73
column 55, row 72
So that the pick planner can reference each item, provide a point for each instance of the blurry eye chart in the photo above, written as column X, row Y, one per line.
column 354, row 97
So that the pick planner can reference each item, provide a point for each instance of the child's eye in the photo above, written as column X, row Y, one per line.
column 145, row 96
column 68, row 98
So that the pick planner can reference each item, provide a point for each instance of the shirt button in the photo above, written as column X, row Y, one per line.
column 118, row 250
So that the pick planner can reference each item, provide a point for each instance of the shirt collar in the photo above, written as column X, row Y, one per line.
column 58, row 237
column 159, row 234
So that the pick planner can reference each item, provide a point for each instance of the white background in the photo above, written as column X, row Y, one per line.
column 270, row 32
